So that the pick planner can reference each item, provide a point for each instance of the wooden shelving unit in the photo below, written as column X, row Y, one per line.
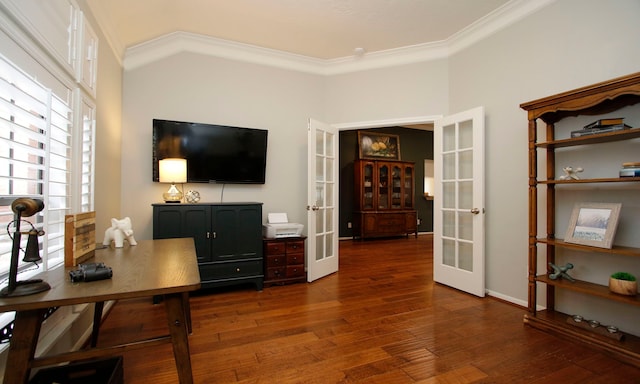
column 597, row 99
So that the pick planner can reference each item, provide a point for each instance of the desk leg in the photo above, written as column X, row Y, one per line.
column 97, row 319
column 178, row 323
column 22, row 348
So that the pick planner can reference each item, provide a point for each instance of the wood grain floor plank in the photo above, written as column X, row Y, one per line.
column 379, row 319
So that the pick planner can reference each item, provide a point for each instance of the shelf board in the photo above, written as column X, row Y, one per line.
column 593, row 181
column 590, row 289
column 615, row 250
column 627, row 349
column 625, row 134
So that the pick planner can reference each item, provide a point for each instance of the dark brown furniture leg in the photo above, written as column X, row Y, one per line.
column 97, row 319
column 177, row 308
column 23, row 346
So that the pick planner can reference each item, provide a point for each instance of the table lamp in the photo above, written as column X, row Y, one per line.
column 173, row 170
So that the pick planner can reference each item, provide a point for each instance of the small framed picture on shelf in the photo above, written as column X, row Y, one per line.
column 593, row 224
column 378, row 146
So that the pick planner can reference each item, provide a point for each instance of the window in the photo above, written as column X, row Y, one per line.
column 36, row 147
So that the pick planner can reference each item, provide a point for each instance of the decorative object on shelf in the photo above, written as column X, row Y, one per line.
column 192, row 196
column 24, row 207
column 623, row 283
column 571, row 173
column 608, row 331
column 561, row 271
column 172, row 170
column 373, row 145
column 119, row 230
column 593, row 224
column 630, row 170
column 601, row 126
column 79, row 237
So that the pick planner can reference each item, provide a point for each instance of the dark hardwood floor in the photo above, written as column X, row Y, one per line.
column 380, row 319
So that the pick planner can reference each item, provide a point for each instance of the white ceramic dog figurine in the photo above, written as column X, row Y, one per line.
column 119, row 230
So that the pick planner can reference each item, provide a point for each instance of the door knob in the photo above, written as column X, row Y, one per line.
column 475, row 211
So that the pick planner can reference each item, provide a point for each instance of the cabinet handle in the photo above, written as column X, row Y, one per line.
column 237, row 269
column 208, row 235
column 215, row 235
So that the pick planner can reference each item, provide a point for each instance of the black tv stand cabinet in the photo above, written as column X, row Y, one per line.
column 228, row 239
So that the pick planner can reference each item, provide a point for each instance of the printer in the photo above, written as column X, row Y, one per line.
column 278, row 226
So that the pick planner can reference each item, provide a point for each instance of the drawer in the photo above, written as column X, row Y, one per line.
column 230, row 270
column 276, row 273
column 296, row 258
column 393, row 221
column 295, row 246
column 295, row 270
column 275, row 248
column 276, row 261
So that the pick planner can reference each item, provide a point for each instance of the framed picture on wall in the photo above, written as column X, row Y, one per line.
column 593, row 224
column 378, row 146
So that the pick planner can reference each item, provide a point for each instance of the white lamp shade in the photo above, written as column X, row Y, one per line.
column 173, row 170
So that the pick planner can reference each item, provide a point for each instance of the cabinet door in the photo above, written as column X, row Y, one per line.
column 184, row 221
column 365, row 185
column 195, row 224
column 383, row 186
column 408, row 186
column 396, row 185
column 237, row 232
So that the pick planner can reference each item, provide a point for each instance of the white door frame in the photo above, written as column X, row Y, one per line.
column 371, row 124
column 415, row 120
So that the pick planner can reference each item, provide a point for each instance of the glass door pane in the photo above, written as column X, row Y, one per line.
column 383, row 186
column 367, row 186
column 396, row 187
column 408, row 187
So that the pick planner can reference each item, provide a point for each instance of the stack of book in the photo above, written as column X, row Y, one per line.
column 601, row 126
column 630, row 170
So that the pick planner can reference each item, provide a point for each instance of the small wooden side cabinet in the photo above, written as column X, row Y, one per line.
column 284, row 260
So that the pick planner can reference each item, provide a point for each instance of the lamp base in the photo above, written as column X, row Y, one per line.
column 25, row 288
column 172, row 197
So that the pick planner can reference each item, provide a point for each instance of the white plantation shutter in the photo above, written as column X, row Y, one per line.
column 35, row 160
column 88, row 156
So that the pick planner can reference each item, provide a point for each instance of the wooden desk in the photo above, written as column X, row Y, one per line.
column 153, row 267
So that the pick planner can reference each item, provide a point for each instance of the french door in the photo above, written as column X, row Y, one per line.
column 458, row 245
column 322, row 197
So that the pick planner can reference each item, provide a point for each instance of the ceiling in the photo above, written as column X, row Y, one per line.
column 319, row 29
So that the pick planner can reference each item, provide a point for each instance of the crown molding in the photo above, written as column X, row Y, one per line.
column 179, row 42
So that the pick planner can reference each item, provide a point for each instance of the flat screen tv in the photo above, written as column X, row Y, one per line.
column 214, row 153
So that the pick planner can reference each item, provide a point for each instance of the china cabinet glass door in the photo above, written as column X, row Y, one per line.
column 396, row 186
column 367, row 186
column 408, row 187
column 383, row 186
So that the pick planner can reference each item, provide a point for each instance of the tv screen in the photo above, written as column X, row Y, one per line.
column 214, row 153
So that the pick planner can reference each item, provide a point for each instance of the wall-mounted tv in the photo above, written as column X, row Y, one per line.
column 214, row 153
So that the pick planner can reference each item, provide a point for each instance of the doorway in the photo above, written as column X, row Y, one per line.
column 416, row 145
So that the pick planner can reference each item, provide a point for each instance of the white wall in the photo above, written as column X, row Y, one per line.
column 410, row 90
column 199, row 88
column 108, row 136
column 564, row 46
